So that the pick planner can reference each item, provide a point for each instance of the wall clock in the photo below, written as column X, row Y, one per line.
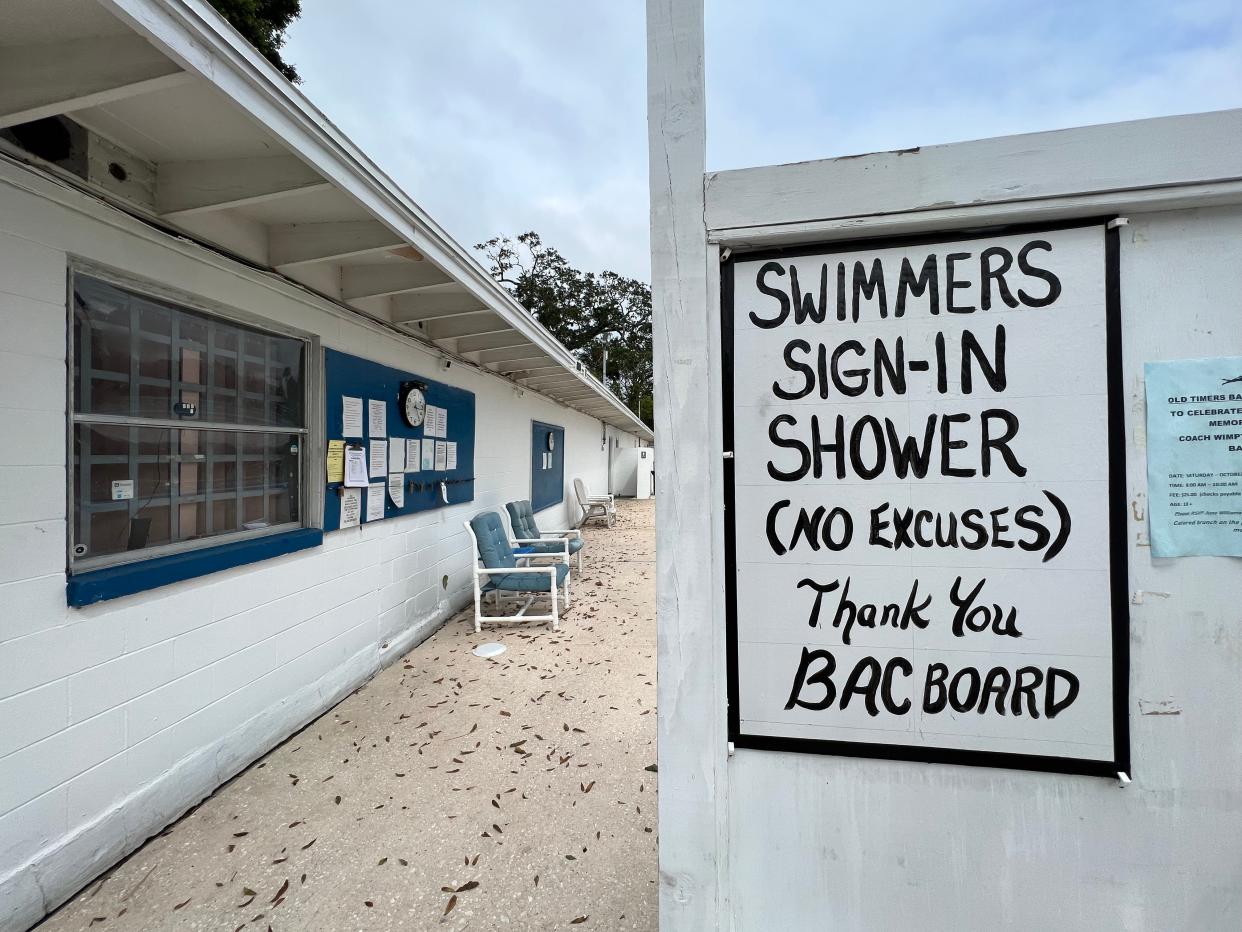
column 412, row 403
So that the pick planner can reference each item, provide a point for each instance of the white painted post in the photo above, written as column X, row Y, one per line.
column 552, row 589
column 689, row 601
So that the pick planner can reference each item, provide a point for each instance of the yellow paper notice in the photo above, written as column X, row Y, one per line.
column 336, row 460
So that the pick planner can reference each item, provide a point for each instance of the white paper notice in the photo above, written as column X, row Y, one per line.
column 396, row 454
column 441, row 455
column 926, row 554
column 351, row 507
column 412, row 454
column 379, row 458
column 396, row 488
column 431, row 421
column 451, row 455
column 429, row 454
column 443, row 413
column 1194, row 489
column 375, row 501
column 355, row 467
column 377, row 418
column 351, row 416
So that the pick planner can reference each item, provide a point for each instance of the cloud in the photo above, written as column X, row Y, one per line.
column 496, row 117
column 499, row 117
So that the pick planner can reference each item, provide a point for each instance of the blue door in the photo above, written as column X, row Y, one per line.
column 547, row 465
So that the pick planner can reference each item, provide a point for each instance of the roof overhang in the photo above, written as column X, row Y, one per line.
column 273, row 183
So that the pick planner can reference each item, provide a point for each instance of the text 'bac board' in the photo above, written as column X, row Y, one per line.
column 925, row 526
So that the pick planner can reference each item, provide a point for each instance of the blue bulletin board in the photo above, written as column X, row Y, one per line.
column 352, row 376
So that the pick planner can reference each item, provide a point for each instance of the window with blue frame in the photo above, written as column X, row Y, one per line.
column 547, row 465
column 189, row 429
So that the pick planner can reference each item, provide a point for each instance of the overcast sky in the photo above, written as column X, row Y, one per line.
column 499, row 117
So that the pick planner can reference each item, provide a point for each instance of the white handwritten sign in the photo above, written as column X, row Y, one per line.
column 921, row 504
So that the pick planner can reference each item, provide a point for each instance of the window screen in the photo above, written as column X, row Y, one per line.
column 187, row 428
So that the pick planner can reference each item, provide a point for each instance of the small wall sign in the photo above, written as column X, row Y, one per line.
column 1194, row 456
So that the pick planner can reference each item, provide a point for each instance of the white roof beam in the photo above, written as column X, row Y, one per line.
column 372, row 281
column 525, row 361
column 186, row 188
column 520, row 374
column 296, row 244
column 578, row 397
column 604, row 413
column 523, row 370
column 51, row 78
column 446, row 315
column 565, row 373
column 525, row 365
column 568, row 378
column 479, row 323
column 496, row 341
column 510, row 354
column 410, row 308
column 449, row 287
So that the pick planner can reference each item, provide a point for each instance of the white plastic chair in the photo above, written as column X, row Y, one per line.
column 595, row 506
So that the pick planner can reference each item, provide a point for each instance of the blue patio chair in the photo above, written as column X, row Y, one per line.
column 526, row 534
column 501, row 576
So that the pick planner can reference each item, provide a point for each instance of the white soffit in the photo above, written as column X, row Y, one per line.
column 241, row 159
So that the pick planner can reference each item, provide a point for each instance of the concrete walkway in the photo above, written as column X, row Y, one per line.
column 450, row 792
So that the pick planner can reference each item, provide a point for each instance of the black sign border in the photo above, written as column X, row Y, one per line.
column 1117, row 530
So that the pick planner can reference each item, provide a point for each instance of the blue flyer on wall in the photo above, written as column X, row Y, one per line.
column 1194, row 456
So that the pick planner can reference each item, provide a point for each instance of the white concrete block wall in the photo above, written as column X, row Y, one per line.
column 116, row 717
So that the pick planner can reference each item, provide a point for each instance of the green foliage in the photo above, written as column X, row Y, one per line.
column 586, row 311
column 263, row 24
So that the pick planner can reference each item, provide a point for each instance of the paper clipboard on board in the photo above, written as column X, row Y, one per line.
column 356, row 466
